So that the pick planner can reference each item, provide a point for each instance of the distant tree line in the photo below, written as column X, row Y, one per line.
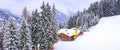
column 90, row 17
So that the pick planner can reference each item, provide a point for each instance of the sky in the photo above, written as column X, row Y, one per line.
column 16, row 6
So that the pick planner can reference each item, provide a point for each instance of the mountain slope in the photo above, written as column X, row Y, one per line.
column 5, row 13
column 61, row 17
column 104, row 36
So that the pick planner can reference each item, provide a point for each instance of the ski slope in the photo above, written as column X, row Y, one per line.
column 104, row 36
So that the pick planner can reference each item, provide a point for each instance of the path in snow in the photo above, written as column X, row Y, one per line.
column 104, row 36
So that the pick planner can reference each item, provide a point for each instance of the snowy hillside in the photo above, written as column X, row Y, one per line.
column 61, row 17
column 5, row 13
column 104, row 36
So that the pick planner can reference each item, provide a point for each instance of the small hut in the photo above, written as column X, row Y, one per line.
column 69, row 34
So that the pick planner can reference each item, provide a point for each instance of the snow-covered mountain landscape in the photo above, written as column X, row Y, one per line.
column 59, row 25
column 103, row 36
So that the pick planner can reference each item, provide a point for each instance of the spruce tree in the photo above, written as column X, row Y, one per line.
column 117, row 7
column 35, row 29
column 11, row 37
column 24, row 30
column 54, row 25
column 49, row 26
column 25, row 38
column 2, row 33
column 43, row 40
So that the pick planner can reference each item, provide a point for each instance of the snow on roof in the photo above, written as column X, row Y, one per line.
column 69, row 32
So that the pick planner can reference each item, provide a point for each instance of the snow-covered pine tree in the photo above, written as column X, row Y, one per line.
column 25, row 14
column 95, row 8
column 78, row 20
column 24, row 30
column 35, row 27
column 43, row 36
column 101, row 9
column 106, row 7
column 60, row 25
column 11, row 37
column 70, row 23
column 49, row 28
column 117, row 7
column 88, row 20
column 84, row 21
column 25, row 38
column 54, row 25
column 2, row 33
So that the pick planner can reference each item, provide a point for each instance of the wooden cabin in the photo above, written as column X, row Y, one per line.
column 69, row 34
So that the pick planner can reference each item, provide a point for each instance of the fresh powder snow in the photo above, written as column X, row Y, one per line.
column 103, row 36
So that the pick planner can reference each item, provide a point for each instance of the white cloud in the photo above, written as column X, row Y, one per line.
column 16, row 6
